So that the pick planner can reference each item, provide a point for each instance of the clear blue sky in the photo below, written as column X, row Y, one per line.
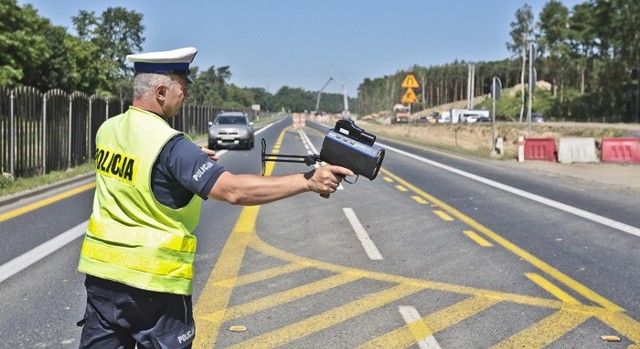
column 302, row 43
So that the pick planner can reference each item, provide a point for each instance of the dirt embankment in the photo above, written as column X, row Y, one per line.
column 477, row 138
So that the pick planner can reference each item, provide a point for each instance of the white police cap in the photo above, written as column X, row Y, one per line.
column 165, row 62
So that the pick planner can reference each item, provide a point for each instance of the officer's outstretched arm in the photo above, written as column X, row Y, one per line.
column 247, row 189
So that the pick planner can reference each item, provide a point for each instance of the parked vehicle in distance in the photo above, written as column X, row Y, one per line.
column 537, row 117
column 472, row 115
column 229, row 130
column 428, row 119
column 457, row 115
column 445, row 117
column 400, row 114
column 471, row 119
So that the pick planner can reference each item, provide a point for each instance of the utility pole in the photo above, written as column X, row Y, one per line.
column 470, row 84
column 346, row 99
column 532, row 81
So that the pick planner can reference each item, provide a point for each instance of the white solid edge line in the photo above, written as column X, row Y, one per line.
column 369, row 247
column 555, row 204
column 25, row 260
column 410, row 314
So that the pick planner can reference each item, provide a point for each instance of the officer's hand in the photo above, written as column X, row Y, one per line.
column 210, row 153
column 326, row 179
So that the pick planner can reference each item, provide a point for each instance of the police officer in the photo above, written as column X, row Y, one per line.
column 139, row 246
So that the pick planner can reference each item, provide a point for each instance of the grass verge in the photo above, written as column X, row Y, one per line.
column 8, row 186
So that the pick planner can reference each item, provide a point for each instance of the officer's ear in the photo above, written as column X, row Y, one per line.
column 161, row 91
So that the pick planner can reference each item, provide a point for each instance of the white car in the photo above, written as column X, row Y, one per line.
column 470, row 119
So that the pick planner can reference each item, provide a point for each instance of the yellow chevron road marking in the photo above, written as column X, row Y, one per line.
column 260, row 246
column 214, row 300
column 545, row 331
column 419, row 331
column 212, row 309
column 623, row 324
column 329, row 318
column 286, row 296
column 551, row 288
column 436, row 322
column 261, row 275
column 618, row 321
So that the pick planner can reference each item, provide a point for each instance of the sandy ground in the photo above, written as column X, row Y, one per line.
column 619, row 177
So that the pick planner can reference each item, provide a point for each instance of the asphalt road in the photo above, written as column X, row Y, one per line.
column 438, row 251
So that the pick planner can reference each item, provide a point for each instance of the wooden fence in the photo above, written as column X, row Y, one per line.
column 51, row 131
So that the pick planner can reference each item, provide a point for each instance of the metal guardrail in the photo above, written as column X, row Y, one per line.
column 52, row 131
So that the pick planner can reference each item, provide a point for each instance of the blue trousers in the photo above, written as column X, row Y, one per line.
column 121, row 316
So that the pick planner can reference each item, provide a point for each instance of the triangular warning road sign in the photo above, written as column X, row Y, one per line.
column 409, row 97
column 410, row 82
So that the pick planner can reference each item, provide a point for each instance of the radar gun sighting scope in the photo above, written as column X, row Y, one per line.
column 345, row 145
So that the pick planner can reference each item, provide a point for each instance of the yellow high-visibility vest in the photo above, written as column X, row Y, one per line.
column 131, row 237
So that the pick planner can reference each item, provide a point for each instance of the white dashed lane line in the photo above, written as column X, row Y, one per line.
column 365, row 240
column 418, row 328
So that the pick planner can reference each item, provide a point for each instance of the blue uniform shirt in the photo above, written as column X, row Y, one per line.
column 181, row 171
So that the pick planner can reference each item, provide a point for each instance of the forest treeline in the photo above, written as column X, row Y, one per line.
column 590, row 54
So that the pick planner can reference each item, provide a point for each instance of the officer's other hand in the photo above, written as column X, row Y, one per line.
column 210, row 153
column 326, row 179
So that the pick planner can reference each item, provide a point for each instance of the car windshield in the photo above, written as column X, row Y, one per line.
column 230, row 120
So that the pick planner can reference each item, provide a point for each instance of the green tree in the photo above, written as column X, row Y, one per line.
column 23, row 44
column 237, row 98
column 625, row 43
column 86, row 73
column 117, row 32
column 209, row 87
column 263, row 98
column 54, row 71
column 553, row 41
column 582, row 39
column 294, row 99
